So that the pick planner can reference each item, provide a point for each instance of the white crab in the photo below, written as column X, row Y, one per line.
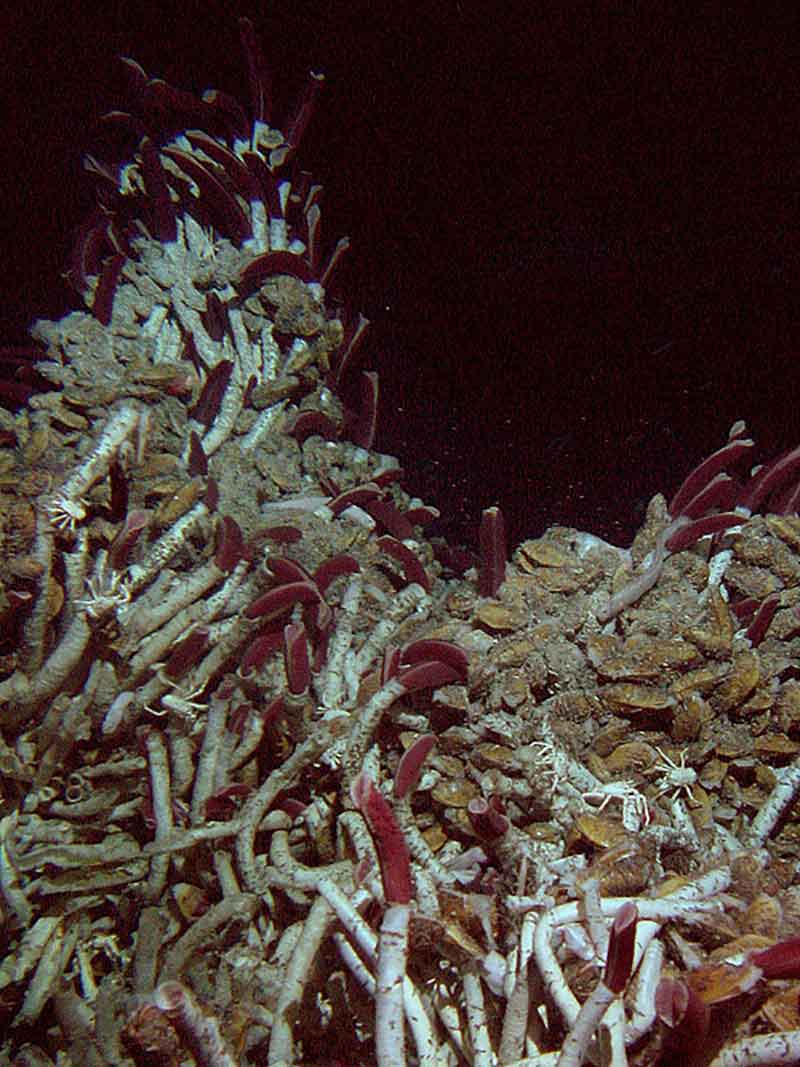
column 107, row 590
column 635, row 812
column 549, row 760
column 676, row 776
column 182, row 702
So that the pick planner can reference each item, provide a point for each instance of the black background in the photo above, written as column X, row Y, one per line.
column 575, row 227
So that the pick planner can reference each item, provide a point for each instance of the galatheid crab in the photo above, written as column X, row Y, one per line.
column 675, row 776
column 635, row 812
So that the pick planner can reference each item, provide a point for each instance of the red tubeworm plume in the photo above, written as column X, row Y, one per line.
column 269, row 264
column 215, row 317
column 287, row 570
column 211, row 498
column 358, row 496
column 232, row 215
column 371, row 498
column 119, row 488
column 422, row 515
column 333, row 568
column 296, row 123
column 362, row 432
column 295, row 651
column 684, row 1013
column 258, row 652
column 208, row 403
column 390, row 842
column 621, row 943
column 392, row 476
column 103, row 302
column 354, row 335
column 231, row 547
column 387, row 515
column 123, row 543
column 198, row 460
column 781, row 960
column 186, row 653
column 771, row 477
column 493, row 553
column 709, row 486
column 413, row 570
column 297, row 586
column 488, row 817
column 427, row 675
column 294, row 808
column 410, row 766
column 258, row 72
column 307, row 423
column 710, row 501
column 688, row 533
column 226, row 801
column 763, row 617
column 87, row 253
column 165, row 225
column 721, row 493
column 697, row 481
column 276, row 601
column 391, row 663
column 210, row 397
column 280, row 535
column 431, row 648
column 334, row 259
column 787, row 502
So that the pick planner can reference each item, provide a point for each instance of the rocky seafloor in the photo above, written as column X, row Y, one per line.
column 224, row 631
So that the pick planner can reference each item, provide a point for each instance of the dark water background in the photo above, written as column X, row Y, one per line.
column 576, row 235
